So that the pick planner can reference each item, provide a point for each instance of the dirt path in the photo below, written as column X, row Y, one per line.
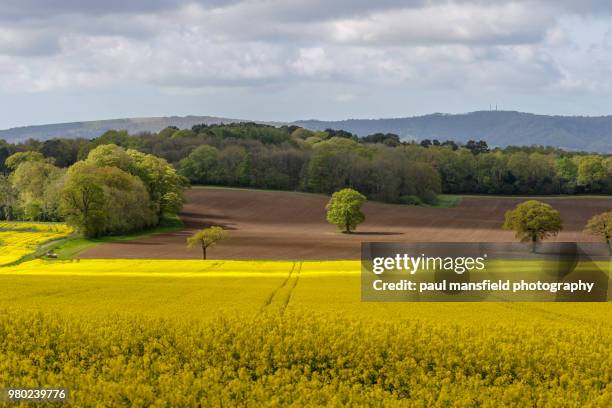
column 285, row 225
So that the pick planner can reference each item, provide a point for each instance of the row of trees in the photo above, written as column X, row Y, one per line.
column 381, row 166
column 112, row 191
column 532, row 220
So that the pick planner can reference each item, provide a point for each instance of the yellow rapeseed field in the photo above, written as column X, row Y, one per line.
column 237, row 333
column 18, row 239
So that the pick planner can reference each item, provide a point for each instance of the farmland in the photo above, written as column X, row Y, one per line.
column 154, row 332
column 161, row 332
column 18, row 239
column 288, row 225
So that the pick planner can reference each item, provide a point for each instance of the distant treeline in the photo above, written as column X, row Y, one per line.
column 380, row 166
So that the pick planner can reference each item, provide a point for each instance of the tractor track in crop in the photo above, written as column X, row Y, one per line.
column 281, row 296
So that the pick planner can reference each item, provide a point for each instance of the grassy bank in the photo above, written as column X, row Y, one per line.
column 72, row 246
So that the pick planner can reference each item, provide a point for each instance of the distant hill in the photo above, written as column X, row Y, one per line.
column 93, row 129
column 498, row 128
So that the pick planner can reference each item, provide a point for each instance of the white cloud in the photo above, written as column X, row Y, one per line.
column 201, row 44
column 446, row 24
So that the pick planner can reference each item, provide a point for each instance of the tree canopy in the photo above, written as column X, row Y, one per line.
column 207, row 238
column 601, row 225
column 344, row 209
column 533, row 221
column 381, row 166
column 111, row 191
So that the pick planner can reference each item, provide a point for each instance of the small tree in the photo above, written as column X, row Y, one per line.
column 207, row 238
column 344, row 209
column 533, row 221
column 601, row 225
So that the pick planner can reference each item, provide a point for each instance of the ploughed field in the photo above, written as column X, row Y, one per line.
column 288, row 225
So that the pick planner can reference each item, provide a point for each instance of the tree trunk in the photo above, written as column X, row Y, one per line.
column 534, row 241
column 203, row 252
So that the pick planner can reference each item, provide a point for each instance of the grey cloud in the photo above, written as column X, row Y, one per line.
column 191, row 44
column 27, row 43
column 383, row 25
column 30, row 9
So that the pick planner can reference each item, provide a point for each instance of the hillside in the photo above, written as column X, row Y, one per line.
column 93, row 129
column 498, row 128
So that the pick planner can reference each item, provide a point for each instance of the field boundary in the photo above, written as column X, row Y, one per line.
column 70, row 247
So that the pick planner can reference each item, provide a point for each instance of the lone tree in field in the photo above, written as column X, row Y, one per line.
column 601, row 225
column 533, row 221
column 344, row 209
column 207, row 238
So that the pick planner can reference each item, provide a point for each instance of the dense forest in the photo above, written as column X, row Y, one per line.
column 37, row 176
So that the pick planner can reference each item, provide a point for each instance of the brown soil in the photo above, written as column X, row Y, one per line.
column 286, row 225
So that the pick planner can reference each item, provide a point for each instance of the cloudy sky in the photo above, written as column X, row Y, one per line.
column 67, row 60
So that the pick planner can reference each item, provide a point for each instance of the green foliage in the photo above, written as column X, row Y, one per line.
column 83, row 200
column 430, row 197
column 592, row 172
column 168, row 132
column 389, row 139
column 111, row 155
column 69, row 248
column 8, row 199
column 184, row 133
column 63, row 152
column 439, row 201
column 16, row 159
column 36, row 184
column 248, row 131
column 201, row 165
column 331, row 163
column 164, row 184
column 207, row 238
column 533, row 221
column 567, row 168
column 601, row 225
column 113, row 191
column 380, row 166
column 116, row 137
column 344, row 209
column 105, row 200
column 447, row 201
column 5, row 153
column 301, row 133
column 410, row 200
column 233, row 165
